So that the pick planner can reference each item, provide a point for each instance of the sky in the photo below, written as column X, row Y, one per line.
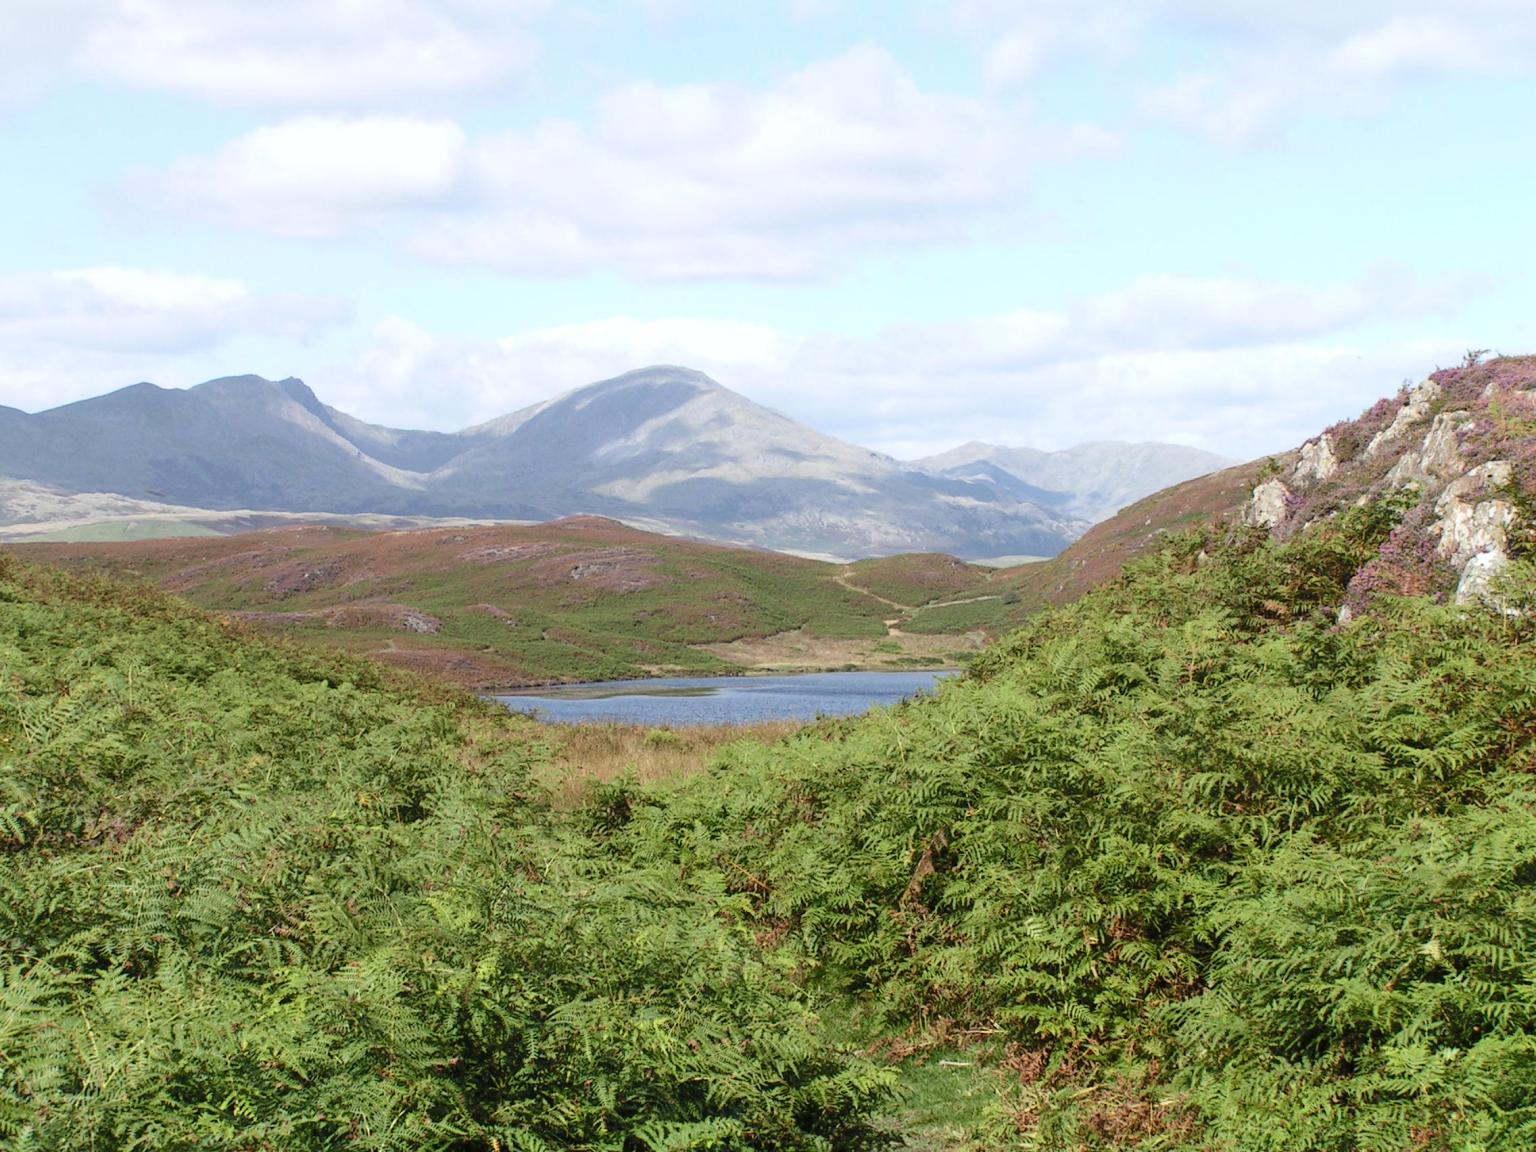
column 1224, row 223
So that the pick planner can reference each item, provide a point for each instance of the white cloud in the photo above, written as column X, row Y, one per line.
column 1240, row 367
column 1264, row 61
column 308, row 52
column 39, row 38
column 75, row 333
column 689, row 181
column 321, row 176
column 407, row 375
column 1276, row 61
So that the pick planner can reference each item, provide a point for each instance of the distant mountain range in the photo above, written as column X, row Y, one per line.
column 662, row 447
column 1089, row 481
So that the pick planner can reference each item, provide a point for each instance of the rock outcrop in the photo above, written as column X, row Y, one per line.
column 1461, row 445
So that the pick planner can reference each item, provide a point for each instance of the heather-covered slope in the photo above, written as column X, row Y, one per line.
column 578, row 599
column 1457, row 452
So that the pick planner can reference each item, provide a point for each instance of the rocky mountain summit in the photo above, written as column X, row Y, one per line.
column 661, row 448
column 1459, row 452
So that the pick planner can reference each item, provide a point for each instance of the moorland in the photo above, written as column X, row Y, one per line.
column 1236, row 850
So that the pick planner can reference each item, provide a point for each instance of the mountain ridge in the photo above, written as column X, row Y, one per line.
column 1098, row 477
column 663, row 445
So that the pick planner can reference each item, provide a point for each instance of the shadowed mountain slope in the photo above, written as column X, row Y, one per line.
column 659, row 445
column 1091, row 481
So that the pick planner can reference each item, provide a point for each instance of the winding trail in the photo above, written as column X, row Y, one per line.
column 845, row 579
column 967, row 600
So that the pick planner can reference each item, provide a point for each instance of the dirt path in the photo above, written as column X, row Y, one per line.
column 967, row 600
column 844, row 578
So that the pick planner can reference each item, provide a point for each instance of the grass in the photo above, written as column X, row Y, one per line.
column 582, row 755
column 107, row 531
column 585, row 599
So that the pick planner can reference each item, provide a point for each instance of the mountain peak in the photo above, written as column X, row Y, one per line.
column 232, row 383
column 652, row 377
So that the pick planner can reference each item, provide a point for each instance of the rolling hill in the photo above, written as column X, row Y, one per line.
column 578, row 599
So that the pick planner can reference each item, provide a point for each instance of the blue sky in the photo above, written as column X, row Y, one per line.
column 1216, row 222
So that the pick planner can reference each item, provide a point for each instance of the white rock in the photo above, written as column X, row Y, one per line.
column 1405, row 473
column 1478, row 578
column 1316, row 460
column 1267, row 508
column 1417, row 408
column 1468, row 525
column 1441, row 455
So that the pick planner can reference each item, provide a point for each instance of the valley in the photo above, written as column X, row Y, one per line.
column 589, row 598
column 1194, row 858
column 651, row 576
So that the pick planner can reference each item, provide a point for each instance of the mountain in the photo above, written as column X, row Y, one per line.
column 661, row 446
column 1090, row 481
column 672, row 445
column 236, row 442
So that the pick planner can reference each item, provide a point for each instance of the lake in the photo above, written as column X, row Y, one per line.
column 695, row 700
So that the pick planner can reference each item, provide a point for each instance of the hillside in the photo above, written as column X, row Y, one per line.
column 253, row 898
column 660, row 446
column 1236, row 851
column 1456, row 449
column 578, row 599
column 1186, row 865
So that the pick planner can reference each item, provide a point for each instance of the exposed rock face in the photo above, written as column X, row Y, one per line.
column 1416, row 409
column 1471, row 521
column 1316, row 460
column 1479, row 580
column 1464, row 442
column 1269, row 505
column 1437, row 457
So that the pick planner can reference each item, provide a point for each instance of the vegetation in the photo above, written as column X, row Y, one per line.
column 917, row 578
column 1203, row 868
column 1185, row 865
column 252, row 898
column 579, row 599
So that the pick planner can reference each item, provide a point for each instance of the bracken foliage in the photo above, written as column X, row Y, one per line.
column 257, row 899
column 1206, row 870
column 1221, row 873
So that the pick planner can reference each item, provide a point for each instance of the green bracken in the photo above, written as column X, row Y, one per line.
column 252, row 898
column 1187, row 865
column 1216, row 871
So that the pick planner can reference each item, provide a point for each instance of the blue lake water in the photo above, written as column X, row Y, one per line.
column 694, row 700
